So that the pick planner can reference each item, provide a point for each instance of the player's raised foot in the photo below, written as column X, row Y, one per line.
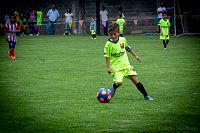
column 112, row 92
column 148, row 98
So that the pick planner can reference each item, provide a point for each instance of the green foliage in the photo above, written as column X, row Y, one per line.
column 52, row 85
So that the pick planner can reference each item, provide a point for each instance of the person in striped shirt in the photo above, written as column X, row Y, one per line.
column 10, row 30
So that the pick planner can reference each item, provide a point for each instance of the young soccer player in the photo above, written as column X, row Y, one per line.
column 120, row 21
column 39, row 20
column 164, row 24
column 93, row 28
column 11, row 29
column 118, row 64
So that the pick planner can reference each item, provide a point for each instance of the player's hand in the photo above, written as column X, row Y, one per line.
column 109, row 70
column 138, row 58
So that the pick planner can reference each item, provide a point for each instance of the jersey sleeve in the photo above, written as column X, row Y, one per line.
column 169, row 23
column 106, row 50
column 125, row 42
column 159, row 23
column 116, row 22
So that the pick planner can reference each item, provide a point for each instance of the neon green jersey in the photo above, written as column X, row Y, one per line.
column 39, row 16
column 117, row 54
column 165, row 24
column 120, row 22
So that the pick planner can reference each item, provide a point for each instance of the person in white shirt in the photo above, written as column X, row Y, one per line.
column 53, row 15
column 69, row 22
column 160, row 11
column 104, row 19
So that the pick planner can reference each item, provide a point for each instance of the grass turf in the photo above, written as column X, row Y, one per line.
column 52, row 85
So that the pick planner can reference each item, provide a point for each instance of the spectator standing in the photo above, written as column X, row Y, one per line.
column 17, row 16
column 104, row 19
column 32, row 22
column 53, row 15
column 7, row 19
column 81, row 28
column 160, row 11
column 121, row 22
column 24, row 26
column 93, row 28
column 69, row 22
column 120, row 12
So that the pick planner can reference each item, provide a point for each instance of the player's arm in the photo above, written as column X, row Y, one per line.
column 159, row 24
column 18, row 29
column 108, row 65
column 169, row 28
column 129, row 49
column 5, row 29
column 161, row 30
column 107, row 58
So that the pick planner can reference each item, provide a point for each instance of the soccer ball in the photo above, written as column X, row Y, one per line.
column 103, row 95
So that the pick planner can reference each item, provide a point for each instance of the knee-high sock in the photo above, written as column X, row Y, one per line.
column 141, row 88
column 164, row 44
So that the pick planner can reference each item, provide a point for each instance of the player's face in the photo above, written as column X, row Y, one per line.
column 164, row 16
column 12, row 19
column 114, row 35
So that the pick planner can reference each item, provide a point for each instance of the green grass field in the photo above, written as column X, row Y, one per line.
column 52, row 85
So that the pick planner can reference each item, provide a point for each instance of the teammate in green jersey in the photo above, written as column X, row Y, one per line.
column 120, row 21
column 118, row 64
column 39, row 20
column 164, row 24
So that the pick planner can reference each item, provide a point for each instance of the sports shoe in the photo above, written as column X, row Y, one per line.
column 13, row 57
column 148, row 98
column 112, row 92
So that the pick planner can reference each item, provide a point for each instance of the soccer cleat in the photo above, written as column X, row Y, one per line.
column 112, row 92
column 148, row 98
column 13, row 57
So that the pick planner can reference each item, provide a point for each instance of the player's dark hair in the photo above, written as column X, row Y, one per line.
column 113, row 27
column 103, row 7
column 165, row 12
column 120, row 15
